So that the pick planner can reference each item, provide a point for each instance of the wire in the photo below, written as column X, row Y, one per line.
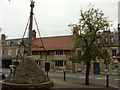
column 39, row 32
column 40, row 39
column 22, row 43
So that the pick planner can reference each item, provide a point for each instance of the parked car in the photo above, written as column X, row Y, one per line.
column 2, row 76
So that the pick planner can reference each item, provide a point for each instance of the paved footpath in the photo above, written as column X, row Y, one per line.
column 60, row 84
column 70, row 85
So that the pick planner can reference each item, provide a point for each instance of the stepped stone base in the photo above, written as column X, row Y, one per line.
column 27, row 75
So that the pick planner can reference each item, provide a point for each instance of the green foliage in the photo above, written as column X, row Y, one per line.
column 74, row 58
column 87, row 36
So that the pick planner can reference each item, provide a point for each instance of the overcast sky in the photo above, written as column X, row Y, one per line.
column 53, row 16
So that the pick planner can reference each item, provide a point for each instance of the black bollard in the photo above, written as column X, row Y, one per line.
column 64, row 75
column 107, row 80
column 47, row 75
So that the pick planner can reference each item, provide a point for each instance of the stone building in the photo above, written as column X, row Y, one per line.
column 56, row 51
column 110, row 43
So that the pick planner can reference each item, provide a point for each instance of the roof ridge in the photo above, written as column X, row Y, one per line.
column 55, row 36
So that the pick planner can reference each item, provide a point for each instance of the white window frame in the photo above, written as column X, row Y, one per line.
column 60, row 52
column 59, row 63
column 9, row 52
column 17, row 50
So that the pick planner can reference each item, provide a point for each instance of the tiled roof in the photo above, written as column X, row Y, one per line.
column 53, row 43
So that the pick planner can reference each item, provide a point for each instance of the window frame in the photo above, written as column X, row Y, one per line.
column 60, row 52
column 59, row 63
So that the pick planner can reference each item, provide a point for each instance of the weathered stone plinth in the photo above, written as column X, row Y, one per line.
column 27, row 75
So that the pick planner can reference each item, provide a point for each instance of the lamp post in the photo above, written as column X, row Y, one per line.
column 118, row 58
column 118, row 54
column 119, row 36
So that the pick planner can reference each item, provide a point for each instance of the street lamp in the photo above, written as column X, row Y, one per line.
column 119, row 36
column 118, row 54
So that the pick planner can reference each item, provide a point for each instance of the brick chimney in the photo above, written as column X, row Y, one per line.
column 33, row 34
column 3, row 37
column 76, row 30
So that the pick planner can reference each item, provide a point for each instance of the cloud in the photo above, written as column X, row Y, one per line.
column 53, row 16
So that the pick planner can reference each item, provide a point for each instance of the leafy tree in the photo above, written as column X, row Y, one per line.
column 88, row 36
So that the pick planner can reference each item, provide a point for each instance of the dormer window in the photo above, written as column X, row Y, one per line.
column 19, row 42
column 8, row 42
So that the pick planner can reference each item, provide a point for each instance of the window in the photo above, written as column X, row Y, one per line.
column 38, row 62
column 9, row 52
column 36, row 53
column 64, row 62
column 105, row 66
column 47, row 53
column 17, row 51
column 3, row 51
column 60, row 52
column 59, row 63
column 79, row 66
column 114, row 52
column 8, row 42
column 115, row 66
column 19, row 42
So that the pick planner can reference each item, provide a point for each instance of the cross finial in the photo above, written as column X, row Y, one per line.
column 31, row 0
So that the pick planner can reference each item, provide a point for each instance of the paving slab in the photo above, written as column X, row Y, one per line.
column 61, row 84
